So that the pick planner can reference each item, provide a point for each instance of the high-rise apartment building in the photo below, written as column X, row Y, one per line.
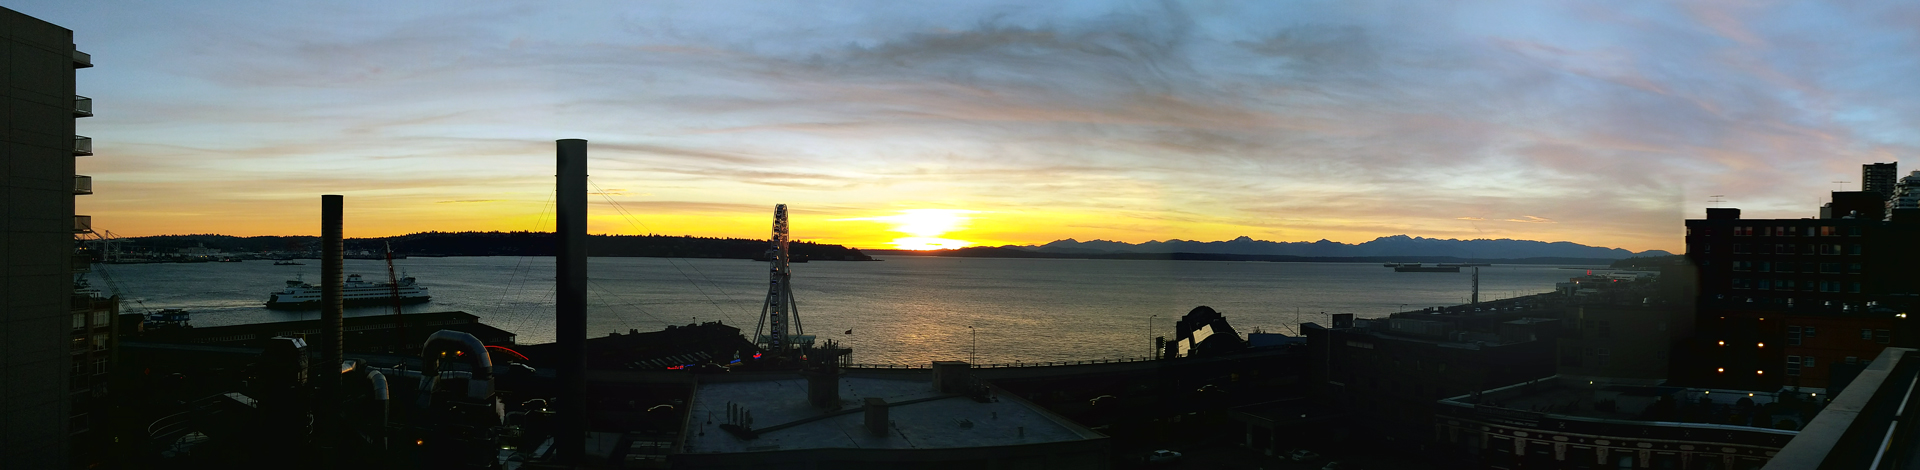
column 37, row 189
column 1784, row 301
column 1879, row 178
column 1906, row 195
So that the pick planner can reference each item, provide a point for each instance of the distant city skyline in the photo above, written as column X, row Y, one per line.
column 887, row 124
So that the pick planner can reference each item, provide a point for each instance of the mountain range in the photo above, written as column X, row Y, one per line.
column 1396, row 245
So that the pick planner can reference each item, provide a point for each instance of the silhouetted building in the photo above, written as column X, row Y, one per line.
column 1879, row 178
column 945, row 419
column 1562, row 423
column 38, row 367
column 1906, row 195
column 1780, row 299
column 1622, row 342
column 1856, row 205
column 1387, row 373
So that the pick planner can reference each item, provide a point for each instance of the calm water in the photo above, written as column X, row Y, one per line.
column 902, row 310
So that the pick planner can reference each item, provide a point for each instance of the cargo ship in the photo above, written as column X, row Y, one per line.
column 356, row 292
column 1418, row 268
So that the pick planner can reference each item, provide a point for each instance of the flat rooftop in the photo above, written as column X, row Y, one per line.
column 937, row 423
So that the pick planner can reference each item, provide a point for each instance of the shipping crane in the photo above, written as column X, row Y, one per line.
column 779, row 331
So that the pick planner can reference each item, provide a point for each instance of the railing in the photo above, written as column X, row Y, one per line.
column 1007, row 364
column 82, row 60
column 82, row 106
column 82, row 185
column 82, row 146
column 83, row 224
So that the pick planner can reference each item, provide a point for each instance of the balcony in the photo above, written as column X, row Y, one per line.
column 82, row 185
column 82, row 106
column 82, row 146
column 83, row 224
column 82, row 60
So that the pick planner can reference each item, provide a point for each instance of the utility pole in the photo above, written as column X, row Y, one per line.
column 1150, row 347
column 1476, row 285
column 971, row 355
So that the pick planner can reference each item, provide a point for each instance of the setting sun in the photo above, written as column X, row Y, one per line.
column 925, row 226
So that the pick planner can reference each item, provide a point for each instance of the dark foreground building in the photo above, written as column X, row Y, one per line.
column 38, row 185
column 1783, row 300
column 1558, row 423
column 1387, row 373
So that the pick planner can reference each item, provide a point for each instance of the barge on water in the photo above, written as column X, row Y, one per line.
column 1418, row 268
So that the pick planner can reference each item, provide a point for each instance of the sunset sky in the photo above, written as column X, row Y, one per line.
column 1603, row 123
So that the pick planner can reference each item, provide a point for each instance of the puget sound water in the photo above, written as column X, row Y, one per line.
column 902, row 310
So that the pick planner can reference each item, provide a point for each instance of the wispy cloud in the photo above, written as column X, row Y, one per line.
column 1343, row 120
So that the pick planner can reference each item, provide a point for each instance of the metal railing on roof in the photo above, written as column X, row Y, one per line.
column 82, row 146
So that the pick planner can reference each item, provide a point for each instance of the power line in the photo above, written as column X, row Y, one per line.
column 631, row 219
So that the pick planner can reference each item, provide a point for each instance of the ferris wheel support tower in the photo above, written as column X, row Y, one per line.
column 779, row 330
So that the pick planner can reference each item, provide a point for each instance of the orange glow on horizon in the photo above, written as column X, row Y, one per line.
column 925, row 227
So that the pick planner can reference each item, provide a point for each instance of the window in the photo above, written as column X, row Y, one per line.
column 1829, row 231
column 1882, row 336
column 79, row 345
column 1853, row 231
column 1793, row 336
column 1764, row 285
column 1810, row 249
column 1830, row 268
column 1809, row 331
column 1742, row 231
column 1853, row 360
column 1763, row 266
column 1866, row 333
column 1740, row 283
column 1793, row 365
column 101, row 318
column 1853, row 268
column 100, row 342
column 1853, row 287
column 1829, row 286
column 79, row 321
column 99, row 366
column 1784, row 266
column 1853, row 249
column 1741, row 248
column 1741, row 265
column 1604, row 332
column 1806, row 362
column 1600, row 356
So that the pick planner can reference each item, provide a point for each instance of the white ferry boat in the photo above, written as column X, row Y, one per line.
column 301, row 295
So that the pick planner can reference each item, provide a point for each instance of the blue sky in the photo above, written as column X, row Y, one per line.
column 1603, row 123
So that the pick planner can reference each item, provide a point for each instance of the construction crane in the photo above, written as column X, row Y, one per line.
column 779, row 331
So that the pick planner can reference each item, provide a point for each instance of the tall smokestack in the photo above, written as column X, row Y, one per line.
column 570, row 211
column 331, row 210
